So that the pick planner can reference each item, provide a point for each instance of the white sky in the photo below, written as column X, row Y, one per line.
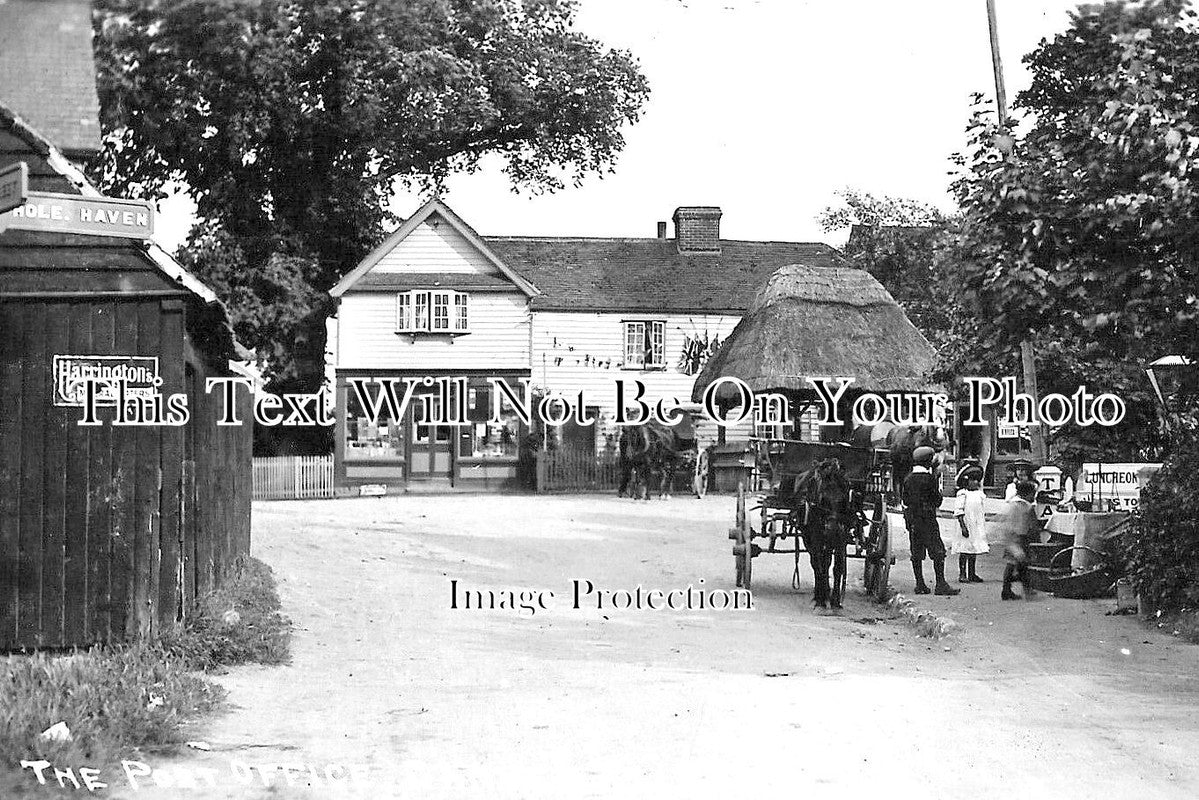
column 766, row 108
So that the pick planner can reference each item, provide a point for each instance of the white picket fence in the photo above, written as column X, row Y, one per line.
column 293, row 477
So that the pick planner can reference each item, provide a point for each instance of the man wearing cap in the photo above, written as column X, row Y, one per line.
column 922, row 499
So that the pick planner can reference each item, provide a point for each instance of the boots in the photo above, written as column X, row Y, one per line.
column 1022, row 576
column 943, row 587
column 1009, row 573
column 918, row 571
column 972, row 565
column 963, row 560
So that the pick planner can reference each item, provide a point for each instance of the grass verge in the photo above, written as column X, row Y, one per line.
column 116, row 700
column 1183, row 624
column 239, row 623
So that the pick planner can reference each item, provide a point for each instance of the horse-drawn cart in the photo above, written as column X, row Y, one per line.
column 828, row 500
column 666, row 455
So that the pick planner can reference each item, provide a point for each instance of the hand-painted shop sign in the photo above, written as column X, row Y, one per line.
column 71, row 213
column 14, row 186
column 1114, row 487
column 71, row 374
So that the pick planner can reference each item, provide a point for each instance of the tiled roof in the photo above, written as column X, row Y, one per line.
column 650, row 274
column 47, row 70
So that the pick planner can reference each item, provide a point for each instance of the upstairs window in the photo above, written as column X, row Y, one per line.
column 432, row 311
column 645, row 344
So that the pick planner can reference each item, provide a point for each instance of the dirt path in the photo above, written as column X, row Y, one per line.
column 1032, row 699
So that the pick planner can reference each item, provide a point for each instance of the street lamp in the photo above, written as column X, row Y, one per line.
column 1175, row 381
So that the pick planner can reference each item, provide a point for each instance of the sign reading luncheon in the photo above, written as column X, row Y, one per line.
column 444, row 401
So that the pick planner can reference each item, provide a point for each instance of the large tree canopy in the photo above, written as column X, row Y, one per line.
column 901, row 242
column 288, row 122
column 1081, row 232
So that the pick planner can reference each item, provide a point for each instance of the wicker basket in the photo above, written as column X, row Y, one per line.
column 1097, row 581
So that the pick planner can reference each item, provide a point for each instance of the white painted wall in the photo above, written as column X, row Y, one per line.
column 434, row 246
column 366, row 335
column 579, row 339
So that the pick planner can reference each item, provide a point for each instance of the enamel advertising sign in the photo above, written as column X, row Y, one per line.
column 70, row 213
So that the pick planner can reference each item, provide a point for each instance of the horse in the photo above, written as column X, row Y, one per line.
column 650, row 450
column 901, row 441
column 635, row 460
column 823, row 515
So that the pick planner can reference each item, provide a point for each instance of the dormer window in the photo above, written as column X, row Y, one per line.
column 432, row 311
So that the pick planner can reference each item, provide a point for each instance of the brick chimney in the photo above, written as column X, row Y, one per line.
column 697, row 229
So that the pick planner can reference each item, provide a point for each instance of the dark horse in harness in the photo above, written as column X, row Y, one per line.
column 901, row 441
column 822, row 511
column 653, row 450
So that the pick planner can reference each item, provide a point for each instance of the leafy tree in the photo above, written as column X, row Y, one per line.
column 1080, row 233
column 1162, row 554
column 902, row 243
column 289, row 122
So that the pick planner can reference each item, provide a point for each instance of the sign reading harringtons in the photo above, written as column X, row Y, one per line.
column 70, row 213
column 138, row 375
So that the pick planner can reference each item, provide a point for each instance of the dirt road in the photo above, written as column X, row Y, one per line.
column 1039, row 699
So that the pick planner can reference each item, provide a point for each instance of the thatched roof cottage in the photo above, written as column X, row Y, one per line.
column 821, row 321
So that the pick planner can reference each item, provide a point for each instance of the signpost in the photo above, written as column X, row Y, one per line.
column 72, row 213
column 14, row 186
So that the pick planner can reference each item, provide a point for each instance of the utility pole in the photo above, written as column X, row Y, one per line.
column 1027, row 361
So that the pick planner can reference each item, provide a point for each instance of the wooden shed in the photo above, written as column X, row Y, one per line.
column 107, row 532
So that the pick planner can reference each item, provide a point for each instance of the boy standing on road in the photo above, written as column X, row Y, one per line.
column 922, row 499
column 1018, row 526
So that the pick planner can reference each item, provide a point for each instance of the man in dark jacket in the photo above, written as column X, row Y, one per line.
column 922, row 499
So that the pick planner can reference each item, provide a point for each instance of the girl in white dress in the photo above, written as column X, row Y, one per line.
column 971, row 514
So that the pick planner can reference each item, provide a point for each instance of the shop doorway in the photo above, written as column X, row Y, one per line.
column 431, row 447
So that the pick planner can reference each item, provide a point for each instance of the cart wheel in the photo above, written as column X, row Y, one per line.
column 699, row 481
column 740, row 519
column 884, row 558
column 747, row 538
column 876, row 540
column 738, row 534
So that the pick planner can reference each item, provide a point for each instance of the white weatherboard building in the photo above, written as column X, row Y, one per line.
column 568, row 314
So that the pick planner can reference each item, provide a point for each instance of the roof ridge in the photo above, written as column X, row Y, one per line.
column 543, row 238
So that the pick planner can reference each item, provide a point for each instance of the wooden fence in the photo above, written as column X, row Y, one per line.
column 568, row 470
column 293, row 477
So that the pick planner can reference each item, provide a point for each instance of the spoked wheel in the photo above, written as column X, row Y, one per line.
column 741, row 550
column 699, row 481
column 747, row 564
column 877, row 570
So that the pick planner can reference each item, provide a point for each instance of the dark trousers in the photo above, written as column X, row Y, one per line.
column 924, row 537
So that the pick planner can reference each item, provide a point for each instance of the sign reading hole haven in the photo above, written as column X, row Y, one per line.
column 140, row 374
column 72, row 213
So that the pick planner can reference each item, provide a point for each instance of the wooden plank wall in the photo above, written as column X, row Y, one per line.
column 105, row 532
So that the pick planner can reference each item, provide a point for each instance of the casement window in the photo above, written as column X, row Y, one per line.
column 645, row 344
column 432, row 311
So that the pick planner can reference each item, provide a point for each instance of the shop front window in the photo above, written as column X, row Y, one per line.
column 485, row 438
column 367, row 439
column 422, row 432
